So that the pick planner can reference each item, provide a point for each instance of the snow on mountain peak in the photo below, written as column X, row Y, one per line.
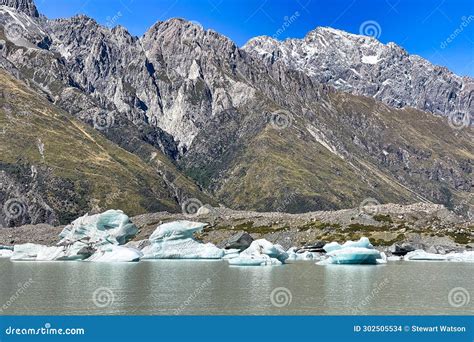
column 364, row 66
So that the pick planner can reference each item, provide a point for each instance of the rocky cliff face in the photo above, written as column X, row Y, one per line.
column 363, row 66
column 24, row 6
column 254, row 133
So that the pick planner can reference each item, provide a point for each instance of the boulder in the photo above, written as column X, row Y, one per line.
column 240, row 241
column 401, row 251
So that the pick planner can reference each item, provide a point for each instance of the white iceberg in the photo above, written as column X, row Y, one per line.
column 88, row 236
column 294, row 256
column 260, row 253
column 421, row 255
column 363, row 242
column 6, row 253
column 113, row 253
column 174, row 240
column 35, row 252
column 254, row 260
column 332, row 246
column 353, row 255
column 30, row 252
column 353, row 252
column 112, row 226
column 466, row 256
column 231, row 253
column 262, row 246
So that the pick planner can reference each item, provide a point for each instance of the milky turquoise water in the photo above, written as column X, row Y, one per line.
column 214, row 288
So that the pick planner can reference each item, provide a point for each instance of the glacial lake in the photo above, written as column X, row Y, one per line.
column 170, row 287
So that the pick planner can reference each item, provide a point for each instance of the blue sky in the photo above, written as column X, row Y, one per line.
column 422, row 27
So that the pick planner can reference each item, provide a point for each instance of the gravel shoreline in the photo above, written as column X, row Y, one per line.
column 423, row 226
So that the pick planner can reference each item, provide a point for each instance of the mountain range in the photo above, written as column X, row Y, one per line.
column 95, row 118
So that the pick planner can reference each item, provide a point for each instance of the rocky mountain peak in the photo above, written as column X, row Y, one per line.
column 25, row 6
column 362, row 65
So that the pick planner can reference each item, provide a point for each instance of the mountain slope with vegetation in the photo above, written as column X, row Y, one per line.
column 54, row 168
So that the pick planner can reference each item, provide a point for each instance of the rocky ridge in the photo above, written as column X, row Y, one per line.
column 362, row 65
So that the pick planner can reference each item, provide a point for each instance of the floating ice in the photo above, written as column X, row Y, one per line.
column 353, row 255
column 332, row 246
column 353, row 252
column 113, row 253
column 176, row 230
column 175, row 240
column 466, row 256
column 363, row 242
column 112, row 226
column 6, row 251
column 293, row 255
column 95, row 235
column 231, row 253
column 254, row 260
column 260, row 253
column 421, row 255
column 35, row 252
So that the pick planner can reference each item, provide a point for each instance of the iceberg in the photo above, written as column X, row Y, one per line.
column 94, row 238
column 295, row 256
column 35, row 252
column 231, row 253
column 421, row 255
column 30, row 251
column 353, row 252
column 260, row 253
column 6, row 253
column 175, row 240
column 466, row 256
column 363, row 242
column 262, row 246
column 332, row 246
column 254, row 260
column 113, row 253
column 353, row 255
column 112, row 226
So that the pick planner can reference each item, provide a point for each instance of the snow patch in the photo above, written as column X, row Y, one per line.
column 370, row 59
